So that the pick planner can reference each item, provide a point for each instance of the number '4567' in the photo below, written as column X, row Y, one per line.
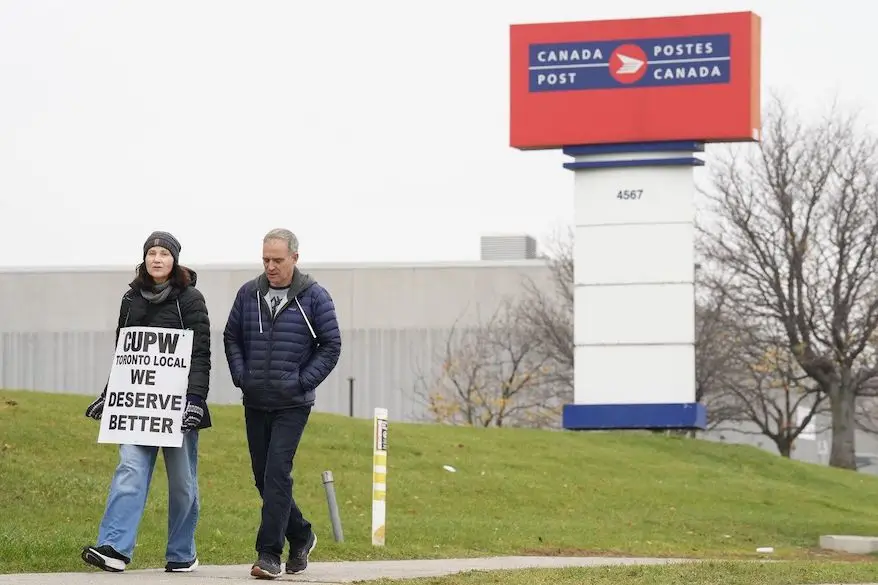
column 629, row 194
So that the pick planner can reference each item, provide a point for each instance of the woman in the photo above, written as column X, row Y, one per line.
column 163, row 294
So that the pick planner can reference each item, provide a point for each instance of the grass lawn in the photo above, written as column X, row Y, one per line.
column 514, row 492
column 707, row 573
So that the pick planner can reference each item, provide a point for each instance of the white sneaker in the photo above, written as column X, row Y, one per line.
column 184, row 567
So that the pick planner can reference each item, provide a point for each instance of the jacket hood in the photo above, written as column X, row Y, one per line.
column 301, row 282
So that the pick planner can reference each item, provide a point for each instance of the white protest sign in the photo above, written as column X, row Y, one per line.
column 146, row 393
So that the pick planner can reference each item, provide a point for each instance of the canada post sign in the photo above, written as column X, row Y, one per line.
column 640, row 80
column 630, row 63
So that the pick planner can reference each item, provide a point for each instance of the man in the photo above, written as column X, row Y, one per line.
column 282, row 340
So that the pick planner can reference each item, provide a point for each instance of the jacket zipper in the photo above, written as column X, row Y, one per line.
column 271, row 321
column 267, row 368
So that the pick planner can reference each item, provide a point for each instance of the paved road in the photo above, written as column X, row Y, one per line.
column 323, row 573
column 317, row 573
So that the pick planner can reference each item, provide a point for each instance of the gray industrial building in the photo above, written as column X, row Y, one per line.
column 56, row 329
column 57, row 325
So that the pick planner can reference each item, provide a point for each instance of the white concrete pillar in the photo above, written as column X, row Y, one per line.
column 634, row 277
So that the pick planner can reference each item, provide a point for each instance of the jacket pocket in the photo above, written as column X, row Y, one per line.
column 289, row 383
column 246, row 380
column 303, row 383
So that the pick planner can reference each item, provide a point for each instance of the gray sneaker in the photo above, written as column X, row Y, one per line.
column 298, row 560
column 266, row 568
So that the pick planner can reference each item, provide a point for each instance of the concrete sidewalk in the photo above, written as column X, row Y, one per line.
column 328, row 573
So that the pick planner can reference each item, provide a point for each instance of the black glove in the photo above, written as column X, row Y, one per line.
column 96, row 408
column 194, row 412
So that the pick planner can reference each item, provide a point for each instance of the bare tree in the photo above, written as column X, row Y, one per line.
column 715, row 345
column 765, row 392
column 747, row 385
column 546, row 314
column 867, row 408
column 493, row 375
column 792, row 247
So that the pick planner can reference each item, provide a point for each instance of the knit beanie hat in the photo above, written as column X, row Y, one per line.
column 165, row 240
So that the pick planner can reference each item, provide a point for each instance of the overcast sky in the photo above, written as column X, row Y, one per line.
column 377, row 131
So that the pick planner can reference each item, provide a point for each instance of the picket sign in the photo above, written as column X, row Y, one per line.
column 146, row 393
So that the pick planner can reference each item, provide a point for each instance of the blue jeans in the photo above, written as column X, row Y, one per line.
column 130, row 487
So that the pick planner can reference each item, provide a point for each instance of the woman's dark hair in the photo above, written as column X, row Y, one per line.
column 179, row 278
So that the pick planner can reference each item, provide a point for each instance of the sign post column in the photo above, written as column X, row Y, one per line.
column 634, row 330
column 632, row 102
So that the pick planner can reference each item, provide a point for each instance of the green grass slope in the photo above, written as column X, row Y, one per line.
column 514, row 492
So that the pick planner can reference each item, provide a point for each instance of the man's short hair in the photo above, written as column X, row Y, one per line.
column 286, row 235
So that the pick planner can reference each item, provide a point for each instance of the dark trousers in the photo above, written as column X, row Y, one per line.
column 273, row 438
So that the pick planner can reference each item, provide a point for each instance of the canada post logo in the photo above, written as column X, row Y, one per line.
column 658, row 62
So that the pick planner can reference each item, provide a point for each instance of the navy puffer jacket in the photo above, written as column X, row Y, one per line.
column 278, row 362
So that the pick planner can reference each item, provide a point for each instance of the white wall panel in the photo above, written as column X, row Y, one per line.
column 620, row 254
column 636, row 374
column 634, row 313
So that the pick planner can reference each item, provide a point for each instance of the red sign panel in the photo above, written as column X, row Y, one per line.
column 640, row 80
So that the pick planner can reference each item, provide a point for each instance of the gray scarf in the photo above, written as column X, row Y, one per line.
column 158, row 294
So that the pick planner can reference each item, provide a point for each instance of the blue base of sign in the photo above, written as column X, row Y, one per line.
column 592, row 417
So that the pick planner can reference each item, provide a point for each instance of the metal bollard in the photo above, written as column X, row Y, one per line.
column 329, row 486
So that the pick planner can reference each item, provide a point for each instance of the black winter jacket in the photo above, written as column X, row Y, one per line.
column 183, row 309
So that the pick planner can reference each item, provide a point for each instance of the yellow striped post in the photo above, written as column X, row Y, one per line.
column 379, row 475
